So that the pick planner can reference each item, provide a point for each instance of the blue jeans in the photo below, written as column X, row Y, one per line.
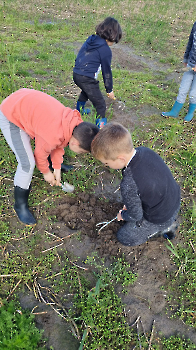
column 188, row 82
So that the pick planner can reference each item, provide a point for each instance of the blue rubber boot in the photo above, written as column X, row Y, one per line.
column 174, row 111
column 189, row 116
column 100, row 122
column 80, row 107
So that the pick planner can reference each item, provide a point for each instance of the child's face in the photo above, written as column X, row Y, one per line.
column 118, row 163
column 74, row 146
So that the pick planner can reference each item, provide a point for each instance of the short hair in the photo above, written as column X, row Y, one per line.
column 111, row 141
column 85, row 133
column 109, row 30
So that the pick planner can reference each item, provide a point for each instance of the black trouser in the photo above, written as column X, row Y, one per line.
column 90, row 91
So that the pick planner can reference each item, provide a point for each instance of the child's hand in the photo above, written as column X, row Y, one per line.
column 49, row 177
column 111, row 95
column 194, row 68
column 185, row 64
column 119, row 217
column 57, row 175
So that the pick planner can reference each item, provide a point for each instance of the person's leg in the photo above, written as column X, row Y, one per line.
column 182, row 93
column 185, row 85
column 83, row 98
column 192, row 100
column 90, row 87
column 131, row 234
column 19, row 142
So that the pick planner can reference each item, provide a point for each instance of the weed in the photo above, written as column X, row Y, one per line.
column 18, row 329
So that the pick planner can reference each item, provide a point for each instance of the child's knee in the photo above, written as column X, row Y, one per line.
column 126, row 237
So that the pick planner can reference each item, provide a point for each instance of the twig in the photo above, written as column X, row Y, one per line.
column 192, row 246
column 19, row 239
column 39, row 292
column 101, row 183
column 136, row 321
column 4, row 248
column 9, row 275
column 34, row 289
column 58, row 245
column 45, row 200
column 80, row 267
column 51, row 234
column 28, row 287
column 38, row 313
column 14, row 289
column 138, row 335
column 76, row 328
column 57, row 274
column 68, row 236
column 151, row 335
column 144, row 331
column 79, row 285
column 117, row 189
column 36, row 267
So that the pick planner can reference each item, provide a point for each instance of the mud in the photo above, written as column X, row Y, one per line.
column 151, row 261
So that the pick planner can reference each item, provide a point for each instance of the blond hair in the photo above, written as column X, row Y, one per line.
column 112, row 140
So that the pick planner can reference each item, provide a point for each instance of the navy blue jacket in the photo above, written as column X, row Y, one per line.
column 148, row 189
column 93, row 53
column 190, row 53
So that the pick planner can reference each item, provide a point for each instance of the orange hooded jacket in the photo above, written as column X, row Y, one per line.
column 44, row 118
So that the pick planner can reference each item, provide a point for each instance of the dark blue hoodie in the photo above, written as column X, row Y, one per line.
column 93, row 53
column 190, row 53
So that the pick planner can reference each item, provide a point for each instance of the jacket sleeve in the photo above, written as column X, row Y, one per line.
column 43, row 150
column 131, row 199
column 106, row 70
column 57, row 157
column 189, row 45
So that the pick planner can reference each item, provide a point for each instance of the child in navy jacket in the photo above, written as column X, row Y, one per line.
column 96, row 55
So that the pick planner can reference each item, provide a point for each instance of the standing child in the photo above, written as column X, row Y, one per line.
column 149, row 192
column 96, row 55
column 188, row 81
column 28, row 114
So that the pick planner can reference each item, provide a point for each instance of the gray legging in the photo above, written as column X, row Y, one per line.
column 188, row 82
column 19, row 142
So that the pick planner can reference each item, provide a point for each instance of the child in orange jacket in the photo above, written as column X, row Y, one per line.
column 28, row 114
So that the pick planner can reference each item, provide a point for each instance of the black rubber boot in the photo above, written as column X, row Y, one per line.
column 64, row 167
column 168, row 233
column 21, row 206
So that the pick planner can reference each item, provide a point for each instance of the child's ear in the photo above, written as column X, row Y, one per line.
column 121, row 157
column 74, row 141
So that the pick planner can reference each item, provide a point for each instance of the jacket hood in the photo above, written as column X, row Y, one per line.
column 94, row 41
column 71, row 118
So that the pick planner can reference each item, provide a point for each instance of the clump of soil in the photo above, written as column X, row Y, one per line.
column 83, row 212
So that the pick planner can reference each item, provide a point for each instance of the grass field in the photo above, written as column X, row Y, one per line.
column 38, row 45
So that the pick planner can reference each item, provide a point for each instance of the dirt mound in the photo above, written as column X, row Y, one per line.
column 83, row 212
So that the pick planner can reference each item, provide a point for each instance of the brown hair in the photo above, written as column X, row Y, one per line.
column 112, row 140
column 109, row 30
column 85, row 133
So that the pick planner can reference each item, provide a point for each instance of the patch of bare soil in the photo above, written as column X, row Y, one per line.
column 150, row 261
